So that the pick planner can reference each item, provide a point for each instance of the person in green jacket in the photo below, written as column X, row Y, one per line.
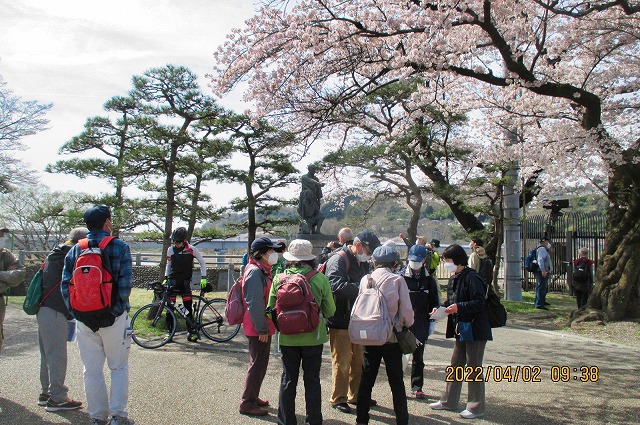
column 304, row 348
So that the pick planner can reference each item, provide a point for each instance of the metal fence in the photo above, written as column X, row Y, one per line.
column 568, row 233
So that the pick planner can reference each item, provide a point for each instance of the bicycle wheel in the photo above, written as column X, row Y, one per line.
column 149, row 325
column 213, row 322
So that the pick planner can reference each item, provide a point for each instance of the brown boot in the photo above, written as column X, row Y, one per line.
column 254, row 411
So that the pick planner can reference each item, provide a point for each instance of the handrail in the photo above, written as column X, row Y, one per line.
column 138, row 258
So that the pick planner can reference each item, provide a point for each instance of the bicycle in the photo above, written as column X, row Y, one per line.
column 149, row 323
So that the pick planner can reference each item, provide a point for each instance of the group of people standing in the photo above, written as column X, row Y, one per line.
column 411, row 296
column 105, row 340
column 410, row 291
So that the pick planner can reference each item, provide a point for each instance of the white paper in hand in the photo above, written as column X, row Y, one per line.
column 439, row 314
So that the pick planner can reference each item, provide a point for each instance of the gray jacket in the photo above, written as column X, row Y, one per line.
column 253, row 289
column 345, row 284
column 51, row 278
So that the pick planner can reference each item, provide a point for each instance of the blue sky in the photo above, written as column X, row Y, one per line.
column 78, row 54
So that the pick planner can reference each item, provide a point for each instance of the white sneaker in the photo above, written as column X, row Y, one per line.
column 437, row 405
column 467, row 414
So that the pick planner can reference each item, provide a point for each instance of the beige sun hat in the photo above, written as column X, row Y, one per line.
column 299, row 250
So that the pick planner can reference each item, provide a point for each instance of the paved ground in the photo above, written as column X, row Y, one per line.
column 201, row 383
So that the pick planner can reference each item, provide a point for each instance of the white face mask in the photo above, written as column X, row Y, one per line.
column 363, row 258
column 451, row 268
column 273, row 258
column 2, row 239
column 415, row 265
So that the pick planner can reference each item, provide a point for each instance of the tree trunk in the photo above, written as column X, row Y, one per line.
column 193, row 213
column 617, row 289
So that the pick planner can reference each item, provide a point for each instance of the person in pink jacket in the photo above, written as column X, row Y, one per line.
column 257, row 327
column 396, row 295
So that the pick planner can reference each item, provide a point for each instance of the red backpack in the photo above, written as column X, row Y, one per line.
column 296, row 309
column 91, row 282
column 235, row 306
column 322, row 268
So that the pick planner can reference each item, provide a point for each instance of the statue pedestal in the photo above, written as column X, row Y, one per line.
column 318, row 240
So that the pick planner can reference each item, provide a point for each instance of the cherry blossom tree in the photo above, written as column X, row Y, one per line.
column 19, row 118
column 561, row 74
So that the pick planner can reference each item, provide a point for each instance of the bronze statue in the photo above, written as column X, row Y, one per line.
column 309, row 203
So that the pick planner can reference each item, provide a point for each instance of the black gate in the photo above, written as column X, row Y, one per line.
column 568, row 233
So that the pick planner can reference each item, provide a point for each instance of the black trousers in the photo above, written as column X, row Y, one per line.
column 393, row 363
column 417, row 368
column 581, row 297
column 311, row 359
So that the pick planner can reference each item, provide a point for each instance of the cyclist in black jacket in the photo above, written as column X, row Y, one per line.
column 179, row 271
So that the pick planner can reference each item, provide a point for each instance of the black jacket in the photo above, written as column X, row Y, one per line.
column 467, row 290
column 423, row 292
column 51, row 277
column 345, row 284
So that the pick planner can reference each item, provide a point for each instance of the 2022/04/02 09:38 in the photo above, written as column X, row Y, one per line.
column 521, row 373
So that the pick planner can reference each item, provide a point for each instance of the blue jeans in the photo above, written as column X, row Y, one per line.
column 542, row 287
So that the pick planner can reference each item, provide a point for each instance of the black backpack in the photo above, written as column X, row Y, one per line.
column 486, row 270
column 496, row 312
column 581, row 270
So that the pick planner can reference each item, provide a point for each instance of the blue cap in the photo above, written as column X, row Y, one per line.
column 97, row 214
column 417, row 253
column 369, row 239
column 260, row 243
column 385, row 254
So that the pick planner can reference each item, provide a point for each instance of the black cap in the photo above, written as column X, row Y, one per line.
column 97, row 214
column 369, row 239
column 4, row 230
column 261, row 243
column 435, row 242
column 544, row 238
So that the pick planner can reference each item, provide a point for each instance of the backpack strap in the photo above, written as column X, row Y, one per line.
column 48, row 293
column 309, row 275
column 84, row 244
column 105, row 241
column 344, row 255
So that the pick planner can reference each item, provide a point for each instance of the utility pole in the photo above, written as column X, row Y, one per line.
column 512, row 244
